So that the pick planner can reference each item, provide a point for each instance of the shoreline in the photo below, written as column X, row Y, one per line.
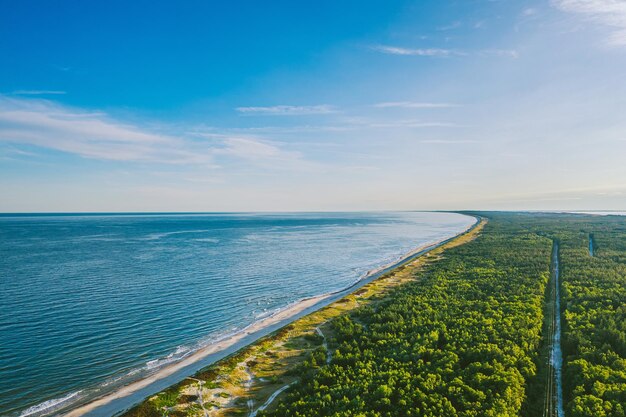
column 129, row 395
column 202, row 353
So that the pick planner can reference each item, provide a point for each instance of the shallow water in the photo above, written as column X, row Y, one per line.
column 90, row 302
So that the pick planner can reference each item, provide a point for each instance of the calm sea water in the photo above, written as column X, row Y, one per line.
column 89, row 302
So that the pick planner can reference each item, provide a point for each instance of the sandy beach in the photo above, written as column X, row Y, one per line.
column 129, row 395
column 199, row 355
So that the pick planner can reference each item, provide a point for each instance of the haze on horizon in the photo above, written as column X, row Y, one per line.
column 243, row 106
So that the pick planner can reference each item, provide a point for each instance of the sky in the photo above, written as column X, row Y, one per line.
column 312, row 106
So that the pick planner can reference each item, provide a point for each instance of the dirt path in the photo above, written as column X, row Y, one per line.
column 200, row 395
column 329, row 354
column 269, row 400
column 553, row 402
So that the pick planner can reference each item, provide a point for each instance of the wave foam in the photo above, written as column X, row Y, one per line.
column 50, row 405
column 179, row 354
column 157, row 236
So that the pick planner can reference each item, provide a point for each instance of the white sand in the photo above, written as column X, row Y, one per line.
column 200, row 354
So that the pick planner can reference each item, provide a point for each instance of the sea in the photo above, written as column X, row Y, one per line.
column 90, row 302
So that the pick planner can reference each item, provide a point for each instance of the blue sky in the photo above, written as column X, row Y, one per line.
column 327, row 105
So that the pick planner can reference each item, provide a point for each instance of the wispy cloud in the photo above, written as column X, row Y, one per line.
column 448, row 141
column 411, row 124
column 12, row 153
column 529, row 11
column 292, row 129
column 256, row 150
column 436, row 52
column 609, row 13
column 38, row 92
column 479, row 25
column 92, row 135
column 346, row 125
column 96, row 135
column 451, row 26
column 397, row 50
column 414, row 105
column 286, row 110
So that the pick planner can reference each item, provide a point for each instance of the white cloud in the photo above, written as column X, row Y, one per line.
column 397, row 50
column 479, row 25
column 451, row 26
column 435, row 52
column 259, row 152
column 91, row 135
column 291, row 129
column 285, row 110
column 530, row 11
column 255, row 149
column 609, row 13
column 97, row 136
column 37, row 92
column 414, row 105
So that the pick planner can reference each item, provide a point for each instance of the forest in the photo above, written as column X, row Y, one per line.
column 465, row 339
column 462, row 340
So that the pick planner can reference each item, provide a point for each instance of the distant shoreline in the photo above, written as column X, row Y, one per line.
column 129, row 395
